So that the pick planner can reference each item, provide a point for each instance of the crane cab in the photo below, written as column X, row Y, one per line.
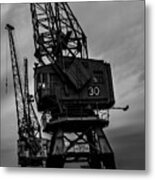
column 87, row 84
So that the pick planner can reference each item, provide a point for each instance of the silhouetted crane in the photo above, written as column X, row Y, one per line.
column 69, row 87
column 29, row 142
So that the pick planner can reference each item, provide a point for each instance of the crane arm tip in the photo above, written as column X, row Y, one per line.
column 10, row 27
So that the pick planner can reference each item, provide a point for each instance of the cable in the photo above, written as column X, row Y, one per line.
column 6, row 79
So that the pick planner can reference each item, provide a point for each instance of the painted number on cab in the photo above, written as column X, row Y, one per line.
column 93, row 91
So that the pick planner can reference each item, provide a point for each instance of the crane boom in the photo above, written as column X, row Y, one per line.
column 31, row 115
column 29, row 131
column 27, row 120
column 58, row 30
column 19, row 97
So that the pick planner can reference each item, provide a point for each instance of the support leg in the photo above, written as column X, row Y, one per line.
column 55, row 158
column 107, row 155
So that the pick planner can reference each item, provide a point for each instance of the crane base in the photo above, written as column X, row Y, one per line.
column 83, row 141
column 74, row 124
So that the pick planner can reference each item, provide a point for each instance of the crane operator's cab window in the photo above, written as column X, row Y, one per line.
column 98, row 77
column 39, row 80
column 46, row 83
column 42, row 80
column 42, row 84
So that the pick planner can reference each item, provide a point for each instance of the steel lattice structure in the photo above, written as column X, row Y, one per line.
column 28, row 125
column 31, row 115
column 69, row 88
column 19, row 97
column 61, row 50
column 57, row 33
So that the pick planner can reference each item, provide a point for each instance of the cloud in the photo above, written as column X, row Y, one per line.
column 5, row 9
column 116, row 34
column 128, row 144
column 108, row 22
column 8, row 153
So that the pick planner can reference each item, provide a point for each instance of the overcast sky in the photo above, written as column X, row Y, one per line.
column 115, row 32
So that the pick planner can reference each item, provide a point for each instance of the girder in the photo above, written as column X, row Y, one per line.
column 56, row 29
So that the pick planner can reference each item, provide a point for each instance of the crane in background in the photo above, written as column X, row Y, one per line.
column 29, row 130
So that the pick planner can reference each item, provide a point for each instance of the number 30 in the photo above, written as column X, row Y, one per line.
column 93, row 91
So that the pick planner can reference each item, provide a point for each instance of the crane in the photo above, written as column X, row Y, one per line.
column 29, row 131
column 69, row 87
